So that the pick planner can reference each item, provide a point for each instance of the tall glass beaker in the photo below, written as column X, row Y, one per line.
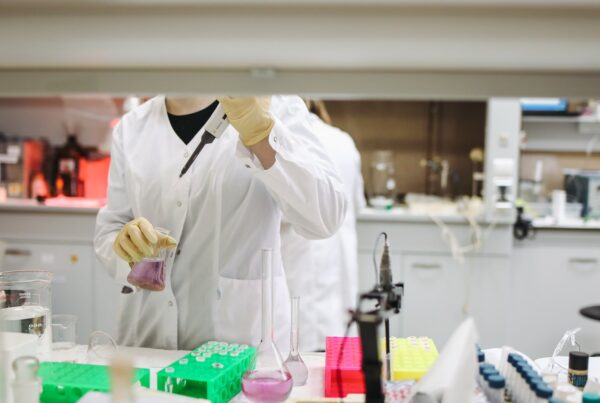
column 270, row 381
column 26, row 304
column 382, row 178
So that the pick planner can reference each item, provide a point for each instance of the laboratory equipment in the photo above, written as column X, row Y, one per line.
column 559, row 206
column 387, row 297
column 25, row 305
column 121, row 374
column 478, row 176
column 271, row 380
column 412, row 357
column 495, row 388
column 383, row 182
column 343, row 366
column 68, row 180
column 101, row 347
column 214, row 128
column 212, row 371
column 584, row 187
column 149, row 273
column 64, row 382
column 294, row 362
column 578, row 368
column 26, row 386
column 64, row 331
column 13, row 346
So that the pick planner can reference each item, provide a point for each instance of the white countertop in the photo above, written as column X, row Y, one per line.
column 158, row 359
column 568, row 223
column 31, row 205
column 403, row 214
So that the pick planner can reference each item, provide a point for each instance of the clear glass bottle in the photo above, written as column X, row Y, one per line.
column 294, row 362
column 270, row 381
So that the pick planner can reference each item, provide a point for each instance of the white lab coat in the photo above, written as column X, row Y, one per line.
column 223, row 212
column 331, row 288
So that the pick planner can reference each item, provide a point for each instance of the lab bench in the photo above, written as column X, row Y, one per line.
column 516, row 290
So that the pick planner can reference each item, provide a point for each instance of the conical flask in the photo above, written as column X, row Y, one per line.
column 270, row 381
column 294, row 362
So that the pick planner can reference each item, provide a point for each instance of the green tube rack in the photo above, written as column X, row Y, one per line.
column 212, row 371
column 64, row 382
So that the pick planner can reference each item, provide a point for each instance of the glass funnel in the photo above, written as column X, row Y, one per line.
column 294, row 362
column 25, row 305
column 270, row 381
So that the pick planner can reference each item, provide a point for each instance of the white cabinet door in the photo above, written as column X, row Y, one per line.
column 440, row 293
column 550, row 284
column 72, row 288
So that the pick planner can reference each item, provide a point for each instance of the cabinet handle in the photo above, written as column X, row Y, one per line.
column 17, row 252
column 583, row 260
column 427, row 266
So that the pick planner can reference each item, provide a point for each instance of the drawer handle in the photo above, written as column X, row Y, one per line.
column 583, row 260
column 17, row 252
column 427, row 266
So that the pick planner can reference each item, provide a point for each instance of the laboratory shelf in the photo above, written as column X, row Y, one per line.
column 560, row 119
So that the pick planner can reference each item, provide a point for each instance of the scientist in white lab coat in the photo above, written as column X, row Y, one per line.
column 324, row 273
column 222, row 212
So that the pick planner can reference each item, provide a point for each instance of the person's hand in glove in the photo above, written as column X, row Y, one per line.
column 138, row 239
column 250, row 116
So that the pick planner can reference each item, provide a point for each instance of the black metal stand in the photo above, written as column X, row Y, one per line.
column 388, row 302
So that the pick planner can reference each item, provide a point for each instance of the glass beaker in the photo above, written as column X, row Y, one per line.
column 270, row 381
column 383, row 182
column 64, row 332
column 294, row 362
column 26, row 304
column 149, row 273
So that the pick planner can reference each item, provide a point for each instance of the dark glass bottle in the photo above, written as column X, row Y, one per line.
column 68, row 159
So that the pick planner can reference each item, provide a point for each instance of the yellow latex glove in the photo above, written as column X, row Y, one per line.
column 138, row 239
column 250, row 116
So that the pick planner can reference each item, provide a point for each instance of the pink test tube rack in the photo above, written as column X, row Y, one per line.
column 350, row 366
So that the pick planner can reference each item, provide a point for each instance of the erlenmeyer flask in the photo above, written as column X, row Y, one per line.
column 270, row 381
column 294, row 362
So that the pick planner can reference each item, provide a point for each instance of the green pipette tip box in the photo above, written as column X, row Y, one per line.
column 212, row 371
column 67, row 382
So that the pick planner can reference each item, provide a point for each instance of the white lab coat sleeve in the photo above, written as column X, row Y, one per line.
column 115, row 214
column 359, row 187
column 303, row 180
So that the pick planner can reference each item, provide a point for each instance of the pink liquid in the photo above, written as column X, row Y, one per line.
column 267, row 386
column 148, row 274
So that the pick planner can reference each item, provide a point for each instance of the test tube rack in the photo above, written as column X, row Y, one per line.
column 348, row 367
column 64, row 382
column 212, row 371
column 411, row 357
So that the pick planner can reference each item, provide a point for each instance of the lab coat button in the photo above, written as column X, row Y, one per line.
column 186, row 154
column 178, row 252
column 247, row 165
column 178, row 204
column 218, row 293
column 170, row 303
column 275, row 139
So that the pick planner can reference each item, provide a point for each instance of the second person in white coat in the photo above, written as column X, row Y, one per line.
column 324, row 273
